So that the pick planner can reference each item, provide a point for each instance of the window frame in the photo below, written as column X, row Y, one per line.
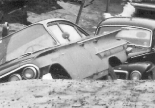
column 76, row 27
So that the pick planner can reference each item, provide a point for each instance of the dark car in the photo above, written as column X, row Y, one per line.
column 140, row 34
column 138, row 1
column 143, row 8
column 58, row 47
column 135, row 71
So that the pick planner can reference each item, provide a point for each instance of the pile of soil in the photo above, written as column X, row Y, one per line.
column 77, row 94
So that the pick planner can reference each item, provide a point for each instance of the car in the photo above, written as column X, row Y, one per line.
column 143, row 8
column 139, row 32
column 135, row 71
column 61, row 48
column 138, row 1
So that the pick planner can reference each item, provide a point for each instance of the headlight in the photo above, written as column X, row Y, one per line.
column 135, row 75
column 29, row 73
column 15, row 77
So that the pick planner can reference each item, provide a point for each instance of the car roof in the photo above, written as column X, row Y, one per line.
column 146, row 6
column 132, row 21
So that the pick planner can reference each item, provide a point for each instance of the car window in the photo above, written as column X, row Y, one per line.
column 106, row 29
column 136, row 36
column 55, row 30
column 58, row 30
column 74, row 35
column 31, row 39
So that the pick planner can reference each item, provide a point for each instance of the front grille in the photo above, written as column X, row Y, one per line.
column 121, row 75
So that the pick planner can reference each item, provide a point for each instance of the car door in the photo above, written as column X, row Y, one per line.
column 82, row 61
column 87, row 54
column 146, row 56
column 149, row 55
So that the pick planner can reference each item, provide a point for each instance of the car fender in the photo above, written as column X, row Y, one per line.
column 139, row 66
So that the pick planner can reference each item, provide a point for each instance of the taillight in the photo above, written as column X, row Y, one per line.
column 15, row 77
column 129, row 50
column 29, row 73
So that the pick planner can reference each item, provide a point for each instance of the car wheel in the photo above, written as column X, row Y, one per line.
column 58, row 72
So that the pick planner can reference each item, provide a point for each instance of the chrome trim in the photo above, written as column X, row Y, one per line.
column 128, row 26
column 111, row 48
column 152, row 67
column 122, row 71
column 33, row 69
column 94, row 37
column 27, row 65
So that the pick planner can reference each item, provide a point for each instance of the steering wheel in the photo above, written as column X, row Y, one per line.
column 32, row 48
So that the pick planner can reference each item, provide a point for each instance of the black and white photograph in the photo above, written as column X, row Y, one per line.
column 77, row 53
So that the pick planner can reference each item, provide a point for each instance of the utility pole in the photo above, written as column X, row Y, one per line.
column 80, row 11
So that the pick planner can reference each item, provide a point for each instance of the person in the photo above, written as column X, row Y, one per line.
column 5, row 29
column 24, row 16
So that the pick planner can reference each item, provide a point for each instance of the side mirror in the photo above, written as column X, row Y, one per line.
column 129, row 50
column 65, row 35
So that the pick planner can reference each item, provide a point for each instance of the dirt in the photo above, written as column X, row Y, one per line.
column 77, row 94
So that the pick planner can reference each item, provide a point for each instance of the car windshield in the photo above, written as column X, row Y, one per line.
column 28, row 40
column 137, row 36
column 140, row 37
